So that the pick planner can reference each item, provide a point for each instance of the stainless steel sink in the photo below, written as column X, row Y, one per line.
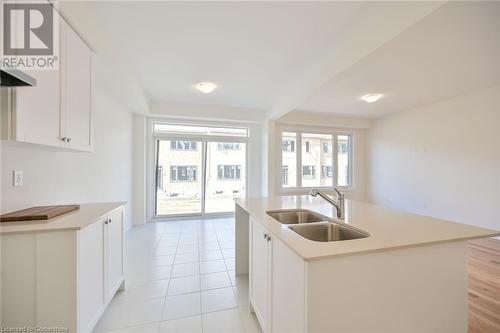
column 295, row 216
column 328, row 232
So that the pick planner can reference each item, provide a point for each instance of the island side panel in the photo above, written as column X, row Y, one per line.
column 242, row 242
column 420, row 289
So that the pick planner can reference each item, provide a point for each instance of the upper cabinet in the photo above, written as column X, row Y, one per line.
column 76, row 90
column 57, row 112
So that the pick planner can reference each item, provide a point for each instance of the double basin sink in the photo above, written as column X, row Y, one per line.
column 314, row 226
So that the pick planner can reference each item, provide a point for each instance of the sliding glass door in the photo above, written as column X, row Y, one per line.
column 225, row 175
column 198, row 176
column 179, row 177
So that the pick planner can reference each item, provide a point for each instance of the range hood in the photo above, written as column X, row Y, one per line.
column 15, row 78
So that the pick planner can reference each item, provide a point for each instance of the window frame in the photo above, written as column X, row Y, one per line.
column 299, row 130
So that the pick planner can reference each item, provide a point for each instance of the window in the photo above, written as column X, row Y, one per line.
column 313, row 154
column 289, row 158
column 308, row 147
column 289, row 145
column 344, row 160
column 164, row 128
column 327, row 147
column 326, row 171
column 228, row 146
column 159, row 177
column 343, row 147
column 183, row 145
column 284, row 174
column 309, row 171
column 325, row 160
column 183, row 173
column 229, row 172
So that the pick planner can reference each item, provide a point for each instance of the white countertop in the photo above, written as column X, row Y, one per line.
column 388, row 228
column 78, row 219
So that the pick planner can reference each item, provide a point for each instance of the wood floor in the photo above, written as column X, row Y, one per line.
column 484, row 286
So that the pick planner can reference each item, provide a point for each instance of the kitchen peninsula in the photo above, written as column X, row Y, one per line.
column 405, row 272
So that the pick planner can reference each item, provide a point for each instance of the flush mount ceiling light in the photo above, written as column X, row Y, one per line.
column 371, row 98
column 206, row 87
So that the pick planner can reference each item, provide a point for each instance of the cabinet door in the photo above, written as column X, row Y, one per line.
column 37, row 109
column 260, row 274
column 76, row 89
column 287, row 290
column 114, row 251
column 91, row 289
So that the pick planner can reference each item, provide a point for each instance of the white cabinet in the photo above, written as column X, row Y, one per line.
column 35, row 111
column 287, row 290
column 260, row 273
column 101, row 267
column 91, row 277
column 277, row 282
column 57, row 112
column 76, row 90
column 66, row 278
column 114, row 253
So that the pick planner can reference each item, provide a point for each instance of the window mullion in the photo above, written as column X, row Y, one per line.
column 298, row 162
column 335, row 160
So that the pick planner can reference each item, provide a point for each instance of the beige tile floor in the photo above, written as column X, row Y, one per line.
column 180, row 278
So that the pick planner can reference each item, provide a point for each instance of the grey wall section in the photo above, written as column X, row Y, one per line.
column 72, row 177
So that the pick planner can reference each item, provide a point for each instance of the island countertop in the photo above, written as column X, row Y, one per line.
column 388, row 228
column 78, row 219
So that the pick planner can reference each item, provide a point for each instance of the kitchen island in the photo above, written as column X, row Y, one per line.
column 408, row 275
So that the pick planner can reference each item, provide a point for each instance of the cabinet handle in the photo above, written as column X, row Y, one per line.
column 109, row 220
column 106, row 222
column 69, row 139
column 265, row 236
column 65, row 139
column 268, row 238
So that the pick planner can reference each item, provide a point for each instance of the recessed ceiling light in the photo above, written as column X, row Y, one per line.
column 371, row 98
column 206, row 87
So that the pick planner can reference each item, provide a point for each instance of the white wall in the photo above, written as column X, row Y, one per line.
column 139, row 124
column 72, row 177
column 441, row 160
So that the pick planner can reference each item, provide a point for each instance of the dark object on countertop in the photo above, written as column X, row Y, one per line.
column 38, row 213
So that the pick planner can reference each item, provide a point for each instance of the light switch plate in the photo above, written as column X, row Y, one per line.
column 18, row 178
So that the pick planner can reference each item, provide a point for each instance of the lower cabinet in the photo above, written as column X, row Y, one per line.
column 101, row 270
column 62, row 278
column 260, row 270
column 114, row 253
column 277, row 282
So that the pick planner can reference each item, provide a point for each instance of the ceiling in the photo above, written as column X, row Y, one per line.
column 251, row 50
column 454, row 50
column 313, row 56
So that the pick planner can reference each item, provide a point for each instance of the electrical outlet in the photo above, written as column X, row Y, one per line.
column 18, row 178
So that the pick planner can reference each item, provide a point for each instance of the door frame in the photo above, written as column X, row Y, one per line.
column 204, row 139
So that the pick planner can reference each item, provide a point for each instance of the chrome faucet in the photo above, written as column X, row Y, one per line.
column 339, row 204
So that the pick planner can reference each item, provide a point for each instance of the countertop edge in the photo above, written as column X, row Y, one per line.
column 39, row 229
